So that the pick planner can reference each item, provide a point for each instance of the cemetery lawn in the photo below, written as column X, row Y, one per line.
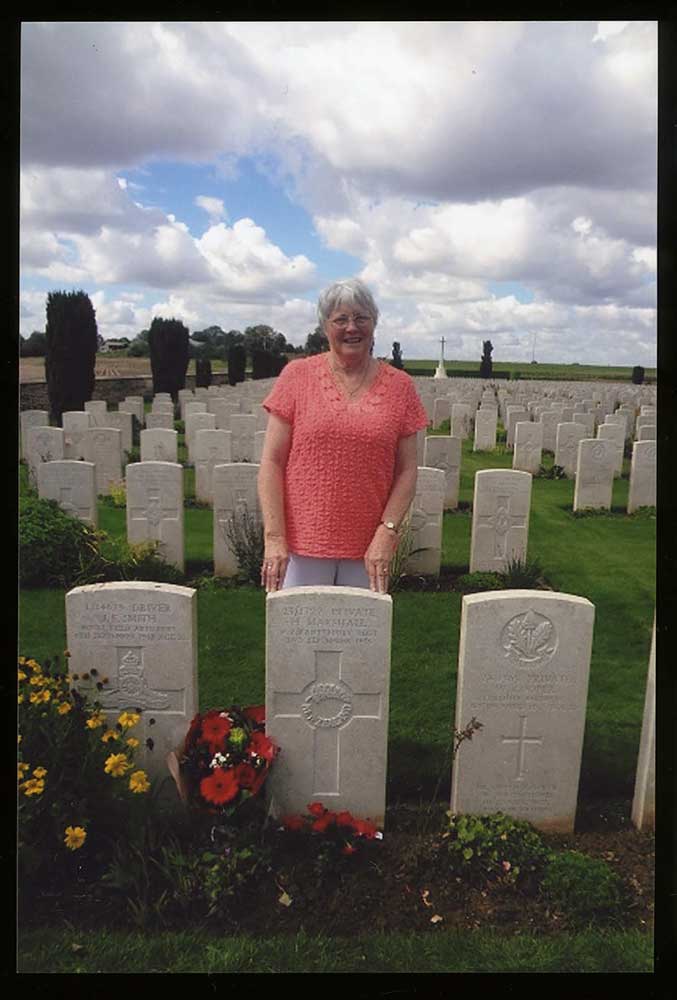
column 382, row 922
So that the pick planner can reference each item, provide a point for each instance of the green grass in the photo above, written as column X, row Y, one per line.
column 609, row 559
column 527, row 370
column 66, row 951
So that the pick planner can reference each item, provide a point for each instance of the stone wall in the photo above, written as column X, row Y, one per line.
column 33, row 395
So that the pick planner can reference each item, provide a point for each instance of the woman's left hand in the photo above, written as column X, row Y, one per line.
column 378, row 557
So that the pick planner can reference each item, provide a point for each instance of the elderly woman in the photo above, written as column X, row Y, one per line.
column 338, row 469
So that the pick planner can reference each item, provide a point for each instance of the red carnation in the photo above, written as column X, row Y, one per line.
column 260, row 746
column 324, row 822
column 345, row 819
column 316, row 809
column 246, row 775
column 257, row 713
column 215, row 729
column 292, row 822
column 220, row 787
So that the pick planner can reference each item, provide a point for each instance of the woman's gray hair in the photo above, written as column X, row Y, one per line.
column 350, row 292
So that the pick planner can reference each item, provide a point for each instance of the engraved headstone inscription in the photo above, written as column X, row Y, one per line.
column 159, row 444
column 594, row 474
column 524, row 661
column 500, row 522
column 142, row 637
column 327, row 698
column 236, row 509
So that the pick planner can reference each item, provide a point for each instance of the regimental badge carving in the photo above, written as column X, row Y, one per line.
column 529, row 639
column 317, row 705
column 598, row 452
column 132, row 685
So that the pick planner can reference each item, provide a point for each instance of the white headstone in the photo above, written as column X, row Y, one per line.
column 642, row 491
column 98, row 409
column 123, row 420
column 197, row 422
column 616, row 434
column 569, row 434
column 327, row 698
column 135, row 406
column 143, row 638
column 43, row 444
column 73, row 485
column 103, row 447
column 441, row 411
column 526, row 455
column 594, row 474
column 210, row 448
column 29, row 419
column 461, row 420
column 155, row 508
column 444, row 452
column 500, row 523
column 74, row 423
column 159, row 444
column 587, row 420
column 159, row 421
column 549, row 419
column 514, row 414
column 162, row 406
column 222, row 409
column 644, row 798
column 234, row 487
column 486, row 420
column 243, row 428
column 524, row 661
column 647, row 432
column 425, row 521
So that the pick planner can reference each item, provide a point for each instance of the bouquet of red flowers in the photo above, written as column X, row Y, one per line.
column 225, row 759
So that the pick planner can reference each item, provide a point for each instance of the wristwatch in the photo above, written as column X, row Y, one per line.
column 390, row 525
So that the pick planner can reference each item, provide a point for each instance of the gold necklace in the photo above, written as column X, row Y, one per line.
column 350, row 392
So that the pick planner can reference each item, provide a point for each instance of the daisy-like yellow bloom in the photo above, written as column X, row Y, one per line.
column 39, row 680
column 64, row 708
column 96, row 720
column 39, row 772
column 128, row 719
column 132, row 742
column 138, row 781
column 34, row 786
column 20, row 698
column 116, row 765
column 21, row 769
column 38, row 697
column 34, row 666
column 22, row 660
column 75, row 837
column 22, row 675
column 110, row 734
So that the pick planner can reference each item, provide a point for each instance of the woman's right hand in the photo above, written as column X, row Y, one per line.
column 274, row 564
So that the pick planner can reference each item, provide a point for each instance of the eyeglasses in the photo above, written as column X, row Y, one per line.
column 342, row 321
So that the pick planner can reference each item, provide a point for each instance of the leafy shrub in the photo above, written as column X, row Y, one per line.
column 554, row 472
column 53, row 546
column 522, row 574
column 471, row 583
column 583, row 888
column 77, row 782
column 493, row 847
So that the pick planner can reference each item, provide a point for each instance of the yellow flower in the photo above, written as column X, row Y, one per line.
column 21, row 769
column 22, row 660
column 132, row 742
column 38, row 697
column 39, row 680
column 75, row 837
column 110, row 734
column 22, row 675
column 34, row 666
column 39, row 772
column 96, row 720
column 138, row 781
column 64, row 708
column 128, row 719
column 116, row 765
column 34, row 786
column 20, row 698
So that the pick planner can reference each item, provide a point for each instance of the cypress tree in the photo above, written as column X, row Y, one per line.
column 237, row 363
column 203, row 372
column 169, row 350
column 71, row 342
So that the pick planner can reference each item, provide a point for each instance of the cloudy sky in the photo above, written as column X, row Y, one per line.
column 489, row 180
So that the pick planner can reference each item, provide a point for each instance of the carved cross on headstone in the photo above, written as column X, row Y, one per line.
column 502, row 520
column 522, row 741
column 156, row 509
column 327, row 704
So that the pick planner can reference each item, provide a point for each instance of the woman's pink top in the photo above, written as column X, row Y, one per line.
column 341, row 463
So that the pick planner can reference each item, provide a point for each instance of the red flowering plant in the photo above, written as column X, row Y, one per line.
column 336, row 834
column 225, row 759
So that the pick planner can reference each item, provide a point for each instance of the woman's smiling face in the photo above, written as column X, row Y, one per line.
column 350, row 332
